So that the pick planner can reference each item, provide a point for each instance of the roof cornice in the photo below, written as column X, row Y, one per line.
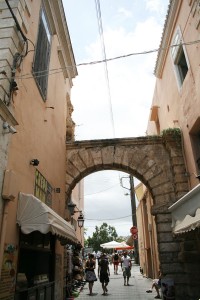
column 173, row 10
column 58, row 25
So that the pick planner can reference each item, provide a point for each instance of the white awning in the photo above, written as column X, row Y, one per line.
column 186, row 212
column 189, row 223
column 34, row 215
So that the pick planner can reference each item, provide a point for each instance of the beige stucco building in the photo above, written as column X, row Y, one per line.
column 147, row 238
column 176, row 106
column 37, row 67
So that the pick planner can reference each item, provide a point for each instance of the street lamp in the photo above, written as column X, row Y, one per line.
column 80, row 220
column 71, row 207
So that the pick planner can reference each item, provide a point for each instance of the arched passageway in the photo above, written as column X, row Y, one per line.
column 157, row 161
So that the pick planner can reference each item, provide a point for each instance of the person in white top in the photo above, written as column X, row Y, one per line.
column 126, row 267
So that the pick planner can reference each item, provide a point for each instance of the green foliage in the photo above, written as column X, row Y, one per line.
column 176, row 132
column 85, row 243
column 103, row 234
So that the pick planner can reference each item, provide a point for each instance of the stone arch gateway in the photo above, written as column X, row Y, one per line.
column 158, row 161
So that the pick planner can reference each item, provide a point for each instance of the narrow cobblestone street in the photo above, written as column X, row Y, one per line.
column 116, row 289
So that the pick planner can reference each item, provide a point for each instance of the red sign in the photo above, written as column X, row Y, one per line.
column 134, row 230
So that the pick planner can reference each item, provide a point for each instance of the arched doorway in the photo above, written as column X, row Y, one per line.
column 157, row 161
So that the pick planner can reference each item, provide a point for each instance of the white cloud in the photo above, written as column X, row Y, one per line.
column 154, row 5
column 124, row 12
column 131, row 86
column 113, row 207
column 127, row 77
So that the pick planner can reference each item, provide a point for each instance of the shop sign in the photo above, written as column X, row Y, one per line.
column 43, row 189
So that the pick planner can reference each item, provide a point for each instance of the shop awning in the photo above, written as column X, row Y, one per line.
column 34, row 215
column 186, row 212
column 189, row 223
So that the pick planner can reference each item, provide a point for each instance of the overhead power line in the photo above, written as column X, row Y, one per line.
column 59, row 70
column 108, row 219
column 139, row 53
column 100, row 27
column 101, row 190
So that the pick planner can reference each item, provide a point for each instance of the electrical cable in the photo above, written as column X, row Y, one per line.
column 18, row 27
column 59, row 70
column 100, row 27
column 110, row 219
column 101, row 191
column 16, row 22
column 113, row 224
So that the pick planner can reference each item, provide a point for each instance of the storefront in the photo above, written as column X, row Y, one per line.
column 40, row 228
column 186, row 229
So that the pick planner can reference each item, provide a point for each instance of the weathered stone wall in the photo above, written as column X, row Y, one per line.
column 158, row 162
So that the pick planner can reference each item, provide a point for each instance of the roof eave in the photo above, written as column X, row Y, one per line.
column 173, row 9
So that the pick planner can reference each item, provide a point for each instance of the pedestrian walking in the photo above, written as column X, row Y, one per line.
column 104, row 273
column 115, row 260
column 90, row 274
column 126, row 267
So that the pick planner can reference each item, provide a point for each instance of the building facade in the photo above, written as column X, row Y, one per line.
column 147, row 238
column 176, row 107
column 37, row 67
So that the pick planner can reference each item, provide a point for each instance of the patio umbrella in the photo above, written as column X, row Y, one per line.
column 111, row 245
column 124, row 246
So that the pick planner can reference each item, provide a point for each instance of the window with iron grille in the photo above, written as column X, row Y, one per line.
column 42, row 55
column 43, row 189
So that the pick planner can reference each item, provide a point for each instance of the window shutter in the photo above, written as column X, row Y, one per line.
column 41, row 62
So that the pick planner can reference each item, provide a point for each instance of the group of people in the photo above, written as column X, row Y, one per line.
column 104, row 270
column 125, row 262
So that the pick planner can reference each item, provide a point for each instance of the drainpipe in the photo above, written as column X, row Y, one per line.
column 3, row 233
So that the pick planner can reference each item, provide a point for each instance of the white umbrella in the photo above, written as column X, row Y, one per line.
column 111, row 245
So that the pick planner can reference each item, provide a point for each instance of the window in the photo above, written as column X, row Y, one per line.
column 195, row 139
column 179, row 58
column 196, row 148
column 42, row 55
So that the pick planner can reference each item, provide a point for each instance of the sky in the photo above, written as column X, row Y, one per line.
column 112, row 100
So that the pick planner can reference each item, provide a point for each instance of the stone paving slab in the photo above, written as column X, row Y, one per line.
column 117, row 290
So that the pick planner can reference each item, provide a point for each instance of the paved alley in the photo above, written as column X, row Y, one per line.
column 117, row 290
